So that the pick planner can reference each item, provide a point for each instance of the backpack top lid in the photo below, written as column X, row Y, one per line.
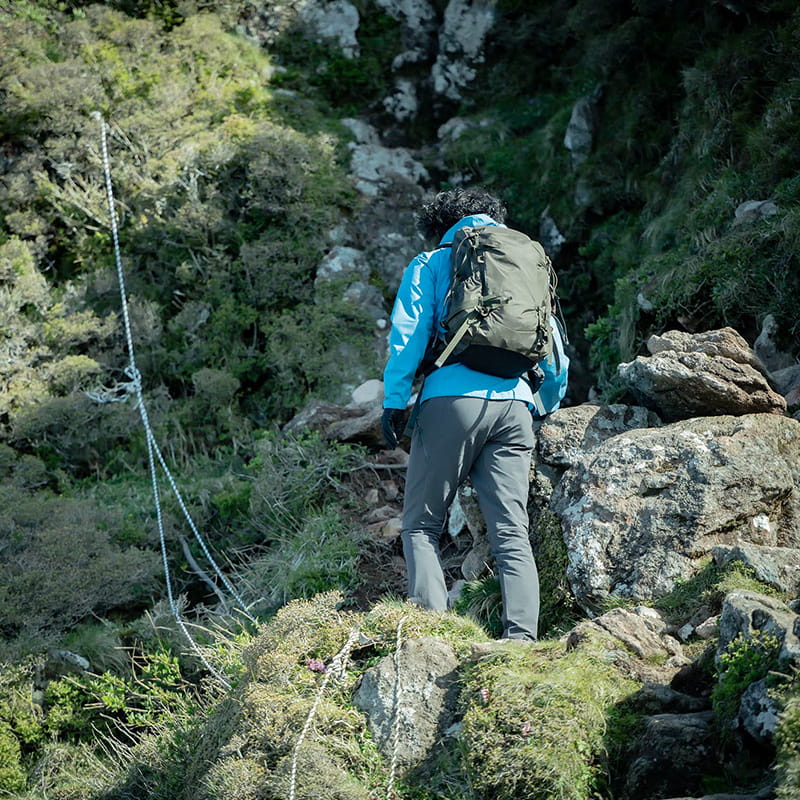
column 497, row 310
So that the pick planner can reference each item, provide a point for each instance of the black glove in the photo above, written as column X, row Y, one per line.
column 393, row 423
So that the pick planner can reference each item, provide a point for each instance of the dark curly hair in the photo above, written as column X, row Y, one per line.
column 438, row 215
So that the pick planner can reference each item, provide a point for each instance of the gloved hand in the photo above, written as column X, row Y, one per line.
column 393, row 423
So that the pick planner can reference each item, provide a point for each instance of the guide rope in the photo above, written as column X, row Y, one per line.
column 396, row 719
column 337, row 667
column 121, row 392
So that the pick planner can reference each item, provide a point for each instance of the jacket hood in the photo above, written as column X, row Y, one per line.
column 473, row 221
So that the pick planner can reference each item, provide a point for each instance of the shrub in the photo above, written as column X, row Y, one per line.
column 44, row 535
column 744, row 661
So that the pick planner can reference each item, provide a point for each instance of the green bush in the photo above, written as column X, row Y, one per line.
column 42, row 536
column 311, row 542
column 744, row 661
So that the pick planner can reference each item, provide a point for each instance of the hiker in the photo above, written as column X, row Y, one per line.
column 468, row 424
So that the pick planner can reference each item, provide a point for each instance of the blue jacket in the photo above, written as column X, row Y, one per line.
column 418, row 311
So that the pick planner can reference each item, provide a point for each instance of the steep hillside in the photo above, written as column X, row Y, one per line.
column 266, row 161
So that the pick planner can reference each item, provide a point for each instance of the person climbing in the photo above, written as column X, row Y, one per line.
column 467, row 423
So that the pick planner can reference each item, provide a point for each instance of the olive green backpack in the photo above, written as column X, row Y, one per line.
column 498, row 307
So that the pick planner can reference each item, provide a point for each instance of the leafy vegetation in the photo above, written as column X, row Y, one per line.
column 228, row 168
column 681, row 141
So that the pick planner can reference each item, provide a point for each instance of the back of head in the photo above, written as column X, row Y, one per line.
column 438, row 215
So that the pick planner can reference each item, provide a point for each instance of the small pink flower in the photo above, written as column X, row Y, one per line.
column 526, row 728
column 315, row 665
column 485, row 695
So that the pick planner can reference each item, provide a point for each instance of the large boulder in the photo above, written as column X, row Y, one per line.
column 570, row 432
column 642, row 510
column 699, row 375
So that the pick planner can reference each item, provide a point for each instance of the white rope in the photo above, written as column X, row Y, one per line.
column 153, row 452
column 337, row 667
column 396, row 719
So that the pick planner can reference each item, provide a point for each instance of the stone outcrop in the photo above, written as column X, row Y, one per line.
column 669, row 740
column 642, row 509
column 461, row 40
column 569, row 432
column 582, row 127
column 774, row 566
column 711, row 373
column 766, row 346
column 422, row 703
column 747, row 614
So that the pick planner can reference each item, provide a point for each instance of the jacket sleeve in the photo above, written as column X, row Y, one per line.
column 555, row 368
column 412, row 325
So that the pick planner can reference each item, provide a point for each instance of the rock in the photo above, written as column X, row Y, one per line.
column 766, row 347
column 787, row 379
column 636, row 634
column 373, row 168
column 452, row 130
column 369, row 393
column 758, row 713
column 477, row 561
column 64, row 662
column 721, row 342
column 655, row 698
column 402, row 104
column 418, row 20
column 342, row 261
column 709, row 379
column 709, row 628
column 362, row 429
column 568, row 432
column 319, row 415
column 363, row 132
column 423, row 700
column 367, row 297
column 387, row 232
column 391, row 529
column 643, row 303
column 776, row 566
column 332, row 21
column 390, row 490
column 640, row 511
column 456, row 518
column 454, row 595
column 461, row 41
column 550, row 237
column 746, row 614
column 670, row 755
column 753, row 210
column 381, row 514
column 582, row 127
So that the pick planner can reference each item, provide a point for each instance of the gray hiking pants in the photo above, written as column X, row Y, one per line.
column 489, row 441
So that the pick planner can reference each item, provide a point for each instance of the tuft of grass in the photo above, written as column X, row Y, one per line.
column 535, row 721
column 708, row 587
